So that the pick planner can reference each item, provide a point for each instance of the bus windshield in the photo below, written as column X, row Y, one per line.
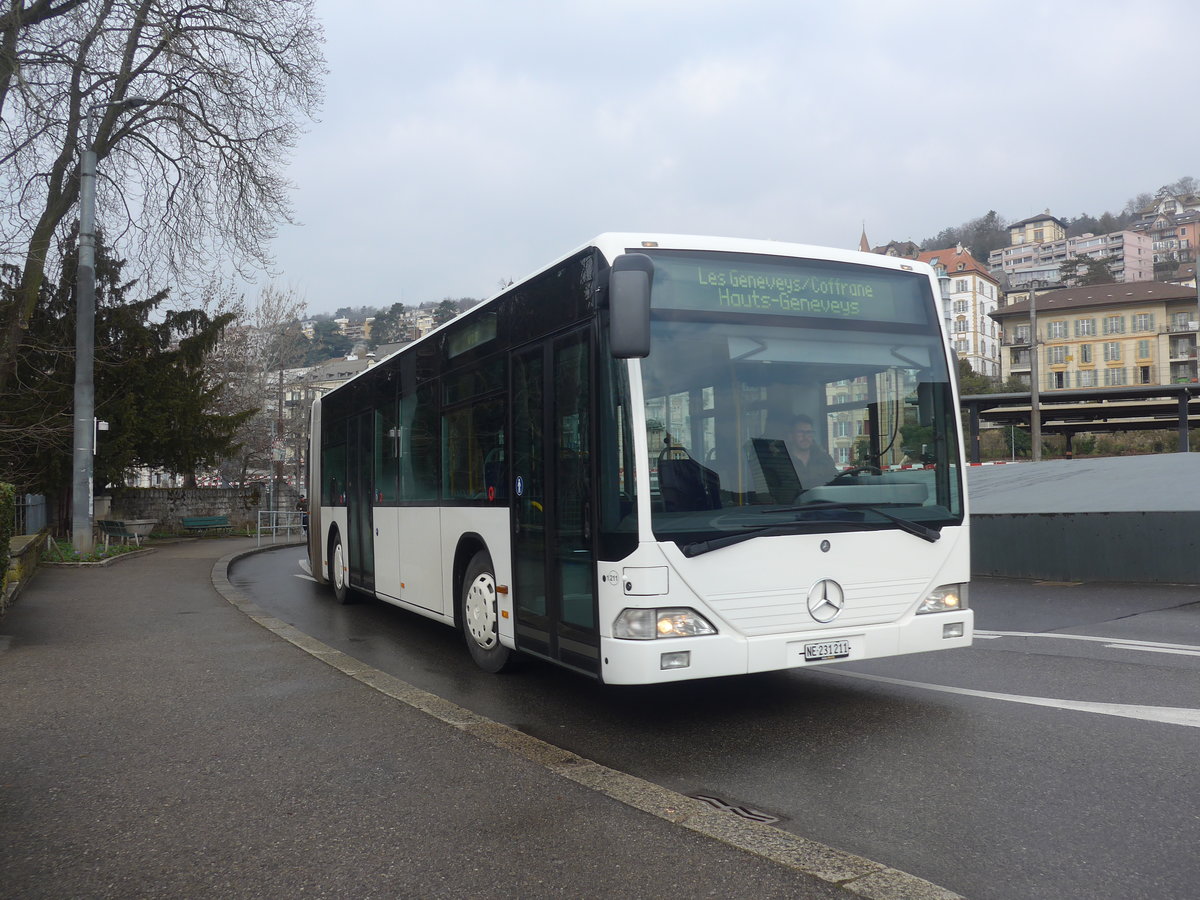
column 773, row 405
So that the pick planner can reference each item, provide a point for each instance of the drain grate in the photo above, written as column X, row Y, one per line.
column 754, row 815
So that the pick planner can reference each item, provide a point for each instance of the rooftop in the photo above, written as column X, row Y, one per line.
column 956, row 260
column 1067, row 299
column 1044, row 217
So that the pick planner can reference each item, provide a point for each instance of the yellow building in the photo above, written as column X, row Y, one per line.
column 1037, row 230
column 1107, row 335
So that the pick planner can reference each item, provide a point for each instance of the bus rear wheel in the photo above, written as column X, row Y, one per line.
column 481, row 617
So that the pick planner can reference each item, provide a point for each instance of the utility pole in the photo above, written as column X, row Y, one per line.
column 1035, row 412
column 82, row 461
column 84, row 442
column 277, row 450
column 1195, row 351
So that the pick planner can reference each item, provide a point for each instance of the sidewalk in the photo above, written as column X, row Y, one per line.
column 157, row 742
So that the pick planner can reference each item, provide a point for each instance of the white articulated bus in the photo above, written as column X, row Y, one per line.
column 659, row 458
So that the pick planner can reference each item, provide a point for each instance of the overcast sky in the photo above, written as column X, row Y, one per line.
column 464, row 143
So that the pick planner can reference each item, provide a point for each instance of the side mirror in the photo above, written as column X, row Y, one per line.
column 629, row 306
column 925, row 404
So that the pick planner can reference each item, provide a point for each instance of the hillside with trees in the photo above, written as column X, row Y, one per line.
column 990, row 231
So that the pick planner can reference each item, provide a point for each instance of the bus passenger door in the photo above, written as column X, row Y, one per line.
column 360, row 495
column 554, row 564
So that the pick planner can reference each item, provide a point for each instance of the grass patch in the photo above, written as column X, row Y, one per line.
column 64, row 551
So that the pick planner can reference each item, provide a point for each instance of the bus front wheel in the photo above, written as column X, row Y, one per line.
column 480, row 616
column 337, row 571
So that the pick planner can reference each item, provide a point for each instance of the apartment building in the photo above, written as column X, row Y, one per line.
column 1173, row 240
column 973, row 294
column 1167, row 203
column 1039, row 250
column 1107, row 335
column 356, row 331
column 1172, row 222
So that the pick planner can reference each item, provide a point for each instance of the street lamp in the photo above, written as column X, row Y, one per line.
column 85, row 336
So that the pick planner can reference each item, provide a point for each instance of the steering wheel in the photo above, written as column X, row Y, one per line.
column 856, row 471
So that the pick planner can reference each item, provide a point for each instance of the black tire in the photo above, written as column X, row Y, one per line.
column 338, row 573
column 480, row 618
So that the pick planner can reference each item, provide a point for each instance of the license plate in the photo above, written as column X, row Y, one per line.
column 823, row 650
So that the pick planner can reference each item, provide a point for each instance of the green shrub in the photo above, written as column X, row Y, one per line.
column 8, row 521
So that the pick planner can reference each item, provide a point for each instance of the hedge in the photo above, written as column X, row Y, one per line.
column 8, row 521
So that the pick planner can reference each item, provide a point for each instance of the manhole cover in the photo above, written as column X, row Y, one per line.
column 746, row 812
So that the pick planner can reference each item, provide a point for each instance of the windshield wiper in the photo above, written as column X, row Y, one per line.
column 698, row 547
column 906, row 525
column 915, row 528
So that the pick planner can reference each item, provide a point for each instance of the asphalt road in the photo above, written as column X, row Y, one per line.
column 1027, row 766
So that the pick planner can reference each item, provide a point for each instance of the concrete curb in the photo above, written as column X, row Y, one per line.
column 855, row 874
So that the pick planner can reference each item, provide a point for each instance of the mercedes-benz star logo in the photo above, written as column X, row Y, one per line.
column 825, row 600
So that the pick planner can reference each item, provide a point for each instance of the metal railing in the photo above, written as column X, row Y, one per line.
column 30, row 514
column 292, row 523
column 1014, row 340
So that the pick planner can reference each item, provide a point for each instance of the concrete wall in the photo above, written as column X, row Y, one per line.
column 170, row 505
column 24, row 551
column 1141, row 547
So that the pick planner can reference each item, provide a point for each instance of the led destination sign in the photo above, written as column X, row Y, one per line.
column 789, row 287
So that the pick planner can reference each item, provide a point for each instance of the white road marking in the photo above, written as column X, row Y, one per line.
column 1170, row 715
column 1152, row 649
column 305, row 577
column 1107, row 641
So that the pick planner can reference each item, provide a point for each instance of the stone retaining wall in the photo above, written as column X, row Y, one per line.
column 170, row 505
column 24, row 551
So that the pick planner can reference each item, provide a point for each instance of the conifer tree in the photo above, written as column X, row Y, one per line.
column 150, row 383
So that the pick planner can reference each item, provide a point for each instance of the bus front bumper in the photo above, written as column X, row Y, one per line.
column 713, row 656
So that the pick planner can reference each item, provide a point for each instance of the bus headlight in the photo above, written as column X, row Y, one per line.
column 947, row 598
column 648, row 624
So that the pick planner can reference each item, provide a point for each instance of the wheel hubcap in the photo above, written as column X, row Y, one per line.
column 480, row 611
column 339, row 573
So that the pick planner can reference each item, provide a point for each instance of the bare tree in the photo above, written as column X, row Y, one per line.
column 1185, row 185
column 1136, row 204
column 18, row 17
column 193, row 172
column 252, row 365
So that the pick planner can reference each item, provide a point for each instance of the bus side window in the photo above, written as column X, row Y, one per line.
column 387, row 449
column 474, row 451
column 333, row 484
column 419, row 445
column 495, row 479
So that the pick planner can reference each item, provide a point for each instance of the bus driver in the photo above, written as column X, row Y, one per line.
column 812, row 464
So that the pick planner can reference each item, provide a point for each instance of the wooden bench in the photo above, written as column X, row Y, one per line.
column 115, row 530
column 206, row 524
